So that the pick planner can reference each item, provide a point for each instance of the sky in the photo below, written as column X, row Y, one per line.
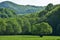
column 34, row 2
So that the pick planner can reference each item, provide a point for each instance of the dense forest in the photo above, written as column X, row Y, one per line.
column 45, row 22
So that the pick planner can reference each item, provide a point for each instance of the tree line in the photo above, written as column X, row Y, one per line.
column 23, row 26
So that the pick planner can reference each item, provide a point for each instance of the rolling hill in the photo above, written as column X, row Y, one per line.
column 21, row 9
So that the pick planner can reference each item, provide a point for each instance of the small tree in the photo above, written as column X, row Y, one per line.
column 49, row 7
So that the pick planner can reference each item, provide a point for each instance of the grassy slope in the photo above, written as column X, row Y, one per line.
column 29, row 38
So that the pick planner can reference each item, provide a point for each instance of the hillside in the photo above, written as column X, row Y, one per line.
column 21, row 9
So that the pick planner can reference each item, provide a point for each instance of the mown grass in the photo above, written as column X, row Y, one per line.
column 26, row 37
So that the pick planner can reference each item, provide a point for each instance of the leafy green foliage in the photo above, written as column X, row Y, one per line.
column 5, row 13
column 49, row 7
column 42, row 28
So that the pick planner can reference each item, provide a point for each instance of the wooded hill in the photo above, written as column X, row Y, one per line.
column 45, row 22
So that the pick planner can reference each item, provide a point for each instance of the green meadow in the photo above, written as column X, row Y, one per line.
column 28, row 37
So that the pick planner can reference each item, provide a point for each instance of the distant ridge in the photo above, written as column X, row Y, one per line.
column 21, row 9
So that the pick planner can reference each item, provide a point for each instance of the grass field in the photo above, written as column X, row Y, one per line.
column 26, row 37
